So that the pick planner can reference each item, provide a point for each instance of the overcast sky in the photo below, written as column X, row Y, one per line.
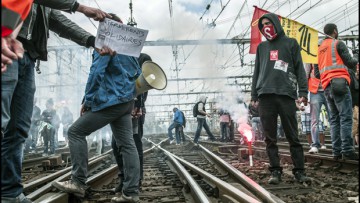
column 211, row 60
column 154, row 16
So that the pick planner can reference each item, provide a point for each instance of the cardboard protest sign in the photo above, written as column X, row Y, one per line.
column 121, row 38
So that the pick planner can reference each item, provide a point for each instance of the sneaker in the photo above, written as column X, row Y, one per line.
column 172, row 141
column 301, row 177
column 26, row 200
column 124, row 198
column 351, row 156
column 275, row 178
column 21, row 199
column 70, row 187
column 314, row 150
column 323, row 147
column 177, row 143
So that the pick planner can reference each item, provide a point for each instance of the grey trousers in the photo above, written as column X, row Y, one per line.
column 119, row 118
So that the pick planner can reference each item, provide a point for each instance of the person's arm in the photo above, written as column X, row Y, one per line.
column 344, row 53
column 308, row 69
column 300, row 72
column 254, row 95
column 71, row 6
column 176, row 116
column 11, row 48
column 67, row 29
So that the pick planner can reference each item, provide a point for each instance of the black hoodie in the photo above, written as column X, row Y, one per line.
column 281, row 80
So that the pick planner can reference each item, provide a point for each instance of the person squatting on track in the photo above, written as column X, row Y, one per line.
column 277, row 74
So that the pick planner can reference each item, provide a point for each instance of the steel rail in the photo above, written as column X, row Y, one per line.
column 197, row 193
column 97, row 180
column 223, row 186
column 249, row 184
column 44, row 189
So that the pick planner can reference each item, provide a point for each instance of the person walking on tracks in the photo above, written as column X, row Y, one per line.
column 334, row 60
column 278, row 71
column 200, row 114
column 317, row 99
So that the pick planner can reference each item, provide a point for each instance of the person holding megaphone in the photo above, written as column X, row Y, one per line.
column 109, row 99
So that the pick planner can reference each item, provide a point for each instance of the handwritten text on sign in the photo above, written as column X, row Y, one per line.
column 121, row 38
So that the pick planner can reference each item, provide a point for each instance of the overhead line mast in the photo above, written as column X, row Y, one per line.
column 131, row 19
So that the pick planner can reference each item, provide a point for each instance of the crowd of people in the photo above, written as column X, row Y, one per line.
column 279, row 84
column 24, row 43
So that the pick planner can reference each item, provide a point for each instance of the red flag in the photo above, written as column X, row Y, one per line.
column 255, row 32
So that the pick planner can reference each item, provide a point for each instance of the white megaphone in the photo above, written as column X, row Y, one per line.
column 152, row 77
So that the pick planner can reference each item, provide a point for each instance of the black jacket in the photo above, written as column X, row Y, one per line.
column 50, row 116
column 253, row 111
column 55, row 21
column 267, row 79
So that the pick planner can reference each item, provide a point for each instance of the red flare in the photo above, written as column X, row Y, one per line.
column 246, row 131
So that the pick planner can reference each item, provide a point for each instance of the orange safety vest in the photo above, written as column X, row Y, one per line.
column 330, row 63
column 313, row 82
column 12, row 13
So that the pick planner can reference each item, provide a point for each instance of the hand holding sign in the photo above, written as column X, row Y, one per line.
column 123, row 39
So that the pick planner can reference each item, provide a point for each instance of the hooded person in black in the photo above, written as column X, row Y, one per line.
column 278, row 72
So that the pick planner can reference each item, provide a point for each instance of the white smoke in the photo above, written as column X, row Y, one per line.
column 233, row 101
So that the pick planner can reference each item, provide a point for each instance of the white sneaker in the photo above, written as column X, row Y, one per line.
column 172, row 141
column 323, row 147
column 314, row 150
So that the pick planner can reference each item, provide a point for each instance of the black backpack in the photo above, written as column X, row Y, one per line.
column 195, row 109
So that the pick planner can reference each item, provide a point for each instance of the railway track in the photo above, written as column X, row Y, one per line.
column 190, row 173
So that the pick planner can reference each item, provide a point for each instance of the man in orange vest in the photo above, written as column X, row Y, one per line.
column 334, row 59
column 13, row 13
column 317, row 99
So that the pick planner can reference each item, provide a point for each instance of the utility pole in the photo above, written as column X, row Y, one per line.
column 131, row 19
column 175, row 54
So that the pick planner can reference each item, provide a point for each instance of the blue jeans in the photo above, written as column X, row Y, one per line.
column 171, row 127
column 119, row 117
column 256, row 126
column 118, row 156
column 177, row 132
column 224, row 129
column 340, row 121
column 202, row 123
column 316, row 101
column 17, row 96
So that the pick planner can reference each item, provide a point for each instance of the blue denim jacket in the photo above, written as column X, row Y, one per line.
column 178, row 117
column 111, row 81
